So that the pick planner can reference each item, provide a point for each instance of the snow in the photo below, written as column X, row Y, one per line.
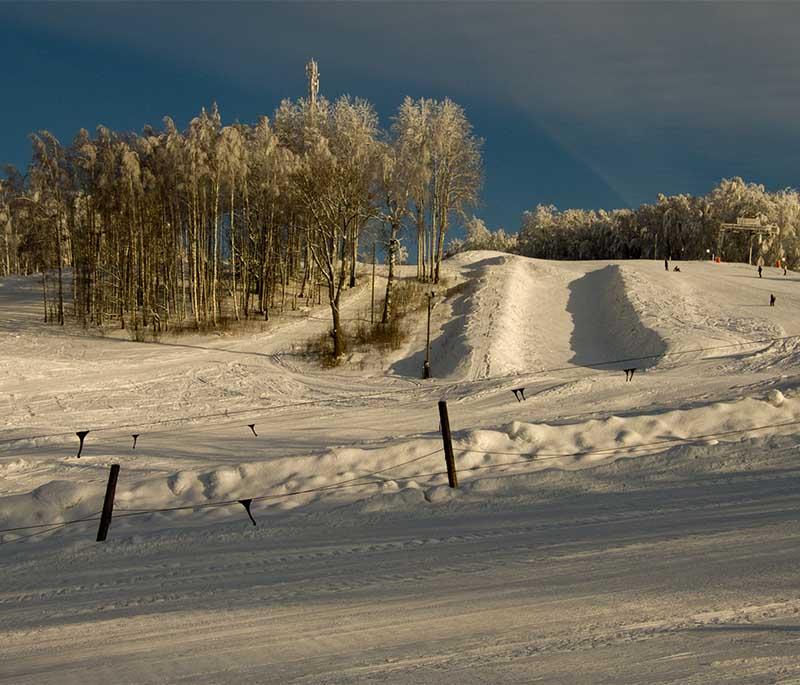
column 603, row 531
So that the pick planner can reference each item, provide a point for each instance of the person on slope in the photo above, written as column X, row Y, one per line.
column 771, row 300
column 759, row 270
column 666, row 264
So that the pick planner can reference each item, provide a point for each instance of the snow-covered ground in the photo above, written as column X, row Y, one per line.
column 604, row 531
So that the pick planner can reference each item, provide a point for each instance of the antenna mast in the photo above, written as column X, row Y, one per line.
column 312, row 73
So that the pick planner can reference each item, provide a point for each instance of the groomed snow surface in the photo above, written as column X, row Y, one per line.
column 604, row 531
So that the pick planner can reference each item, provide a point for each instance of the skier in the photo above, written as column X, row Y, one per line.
column 666, row 264
column 771, row 300
column 784, row 268
column 759, row 270
column 677, row 268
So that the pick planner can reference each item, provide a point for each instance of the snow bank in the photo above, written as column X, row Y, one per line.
column 409, row 474
column 577, row 445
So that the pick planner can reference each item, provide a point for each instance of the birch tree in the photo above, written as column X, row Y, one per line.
column 334, row 183
column 456, row 173
column 193, row 225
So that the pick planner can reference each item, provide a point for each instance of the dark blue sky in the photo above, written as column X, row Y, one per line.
column 580, row 104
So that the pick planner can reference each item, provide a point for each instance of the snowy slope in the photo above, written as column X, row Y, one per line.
column 604, row 531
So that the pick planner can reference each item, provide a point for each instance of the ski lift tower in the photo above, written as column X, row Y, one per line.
column 752, row 226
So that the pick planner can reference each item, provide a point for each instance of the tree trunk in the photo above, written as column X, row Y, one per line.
column 433, row 228
column 214, row 278
column 440, row 244
column 420, row 211
column 44, row 293
column 233, row 253
column 336, row 332
column 387, row 302
column 60, row 274
column 353, row 254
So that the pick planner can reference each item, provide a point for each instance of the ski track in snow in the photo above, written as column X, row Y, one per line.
column 671, row 564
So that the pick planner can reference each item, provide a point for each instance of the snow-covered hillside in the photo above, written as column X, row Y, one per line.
column 604, row 530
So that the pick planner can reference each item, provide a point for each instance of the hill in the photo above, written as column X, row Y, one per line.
column 605, row 529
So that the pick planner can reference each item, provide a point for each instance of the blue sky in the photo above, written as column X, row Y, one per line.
column 580, row 104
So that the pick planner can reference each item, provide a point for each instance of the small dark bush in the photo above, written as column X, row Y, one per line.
column 321, row 346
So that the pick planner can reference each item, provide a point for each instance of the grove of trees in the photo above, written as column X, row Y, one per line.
column 677, row 226
column 217, row 221
column 479, row 237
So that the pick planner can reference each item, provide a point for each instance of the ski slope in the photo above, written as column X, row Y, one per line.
column 603, row 531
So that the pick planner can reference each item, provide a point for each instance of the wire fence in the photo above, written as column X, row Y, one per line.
column 531, row 460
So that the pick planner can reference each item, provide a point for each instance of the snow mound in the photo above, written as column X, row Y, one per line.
column 606, row 324
column 776, row 398
column 407, row 474
column 526, row 445
column 510, row 319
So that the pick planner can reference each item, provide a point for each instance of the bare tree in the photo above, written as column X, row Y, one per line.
column 188, row 225
column 334, row 186
column 456, row 173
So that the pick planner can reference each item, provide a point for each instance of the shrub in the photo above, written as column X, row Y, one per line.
column 321, row 346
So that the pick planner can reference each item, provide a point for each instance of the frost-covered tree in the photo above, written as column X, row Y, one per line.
column 402, row 176
column 194, row 225
column 11, row 188
column 476, row 233
column 334, row 182
column 447, row 176
column 456, row 173
column 411, row 126
column 48, row 201
column 478, row 237
column 677, row 226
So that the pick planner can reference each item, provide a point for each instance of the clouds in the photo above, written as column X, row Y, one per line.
column 682, row 60
column 629, row 89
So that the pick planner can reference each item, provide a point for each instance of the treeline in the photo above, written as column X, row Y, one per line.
column 677, row 226
column 216, row 221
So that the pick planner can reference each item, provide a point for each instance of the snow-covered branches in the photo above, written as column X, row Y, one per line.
column 677, row 226
column 478, row 237
column 221, row 220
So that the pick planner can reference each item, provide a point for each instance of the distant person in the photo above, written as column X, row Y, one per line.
column 784, row 268
column 666, row 264
column 677, row 268
column 771, row 300
column 759, row 270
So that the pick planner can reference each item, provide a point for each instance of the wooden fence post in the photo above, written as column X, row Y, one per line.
column 108, row 503
column 452, row 476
